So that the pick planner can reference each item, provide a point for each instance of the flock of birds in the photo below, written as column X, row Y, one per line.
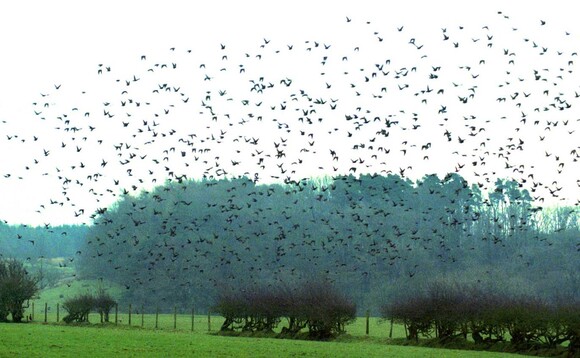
column 486, row 102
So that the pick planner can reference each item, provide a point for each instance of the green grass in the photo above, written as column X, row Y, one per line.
column 65, row 291
column 377, row 327
column 40, row 340
column 52, row 296
column 146, row 337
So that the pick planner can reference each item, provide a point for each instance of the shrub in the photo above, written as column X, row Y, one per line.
column 317, row 306
column 570, row 314
column 413, row 312
column 483, row 317
column 450, row 311
column 232, row 308
column 263, row 310
column 103, row 303
column 325, row 310
column 78, row 308
column 448, row 307
column 293, row 309
column 523, row 318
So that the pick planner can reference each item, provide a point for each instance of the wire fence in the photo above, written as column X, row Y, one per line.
column 132, row 315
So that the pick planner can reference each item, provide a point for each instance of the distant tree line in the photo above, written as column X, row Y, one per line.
column 32, row 242
column 183, row 242
column 40, row 247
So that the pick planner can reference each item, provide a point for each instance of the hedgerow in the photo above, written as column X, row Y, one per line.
column 448, row 311
column 316, row 306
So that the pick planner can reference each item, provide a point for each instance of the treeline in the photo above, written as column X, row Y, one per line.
column 33, row 242
column 181, row 243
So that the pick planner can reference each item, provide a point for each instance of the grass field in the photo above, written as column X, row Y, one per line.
column 50, row 340
column 72, row 288
column 151, row 336
column 182, row 322
column 52, row 296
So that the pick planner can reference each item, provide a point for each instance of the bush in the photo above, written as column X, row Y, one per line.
column 103, row 304
column 483, row 317
column 16, row 287
column 325, row 310
column 317, row 306
column 570, row 314
column 413, row 312
column 78, row 308
column 451, row 311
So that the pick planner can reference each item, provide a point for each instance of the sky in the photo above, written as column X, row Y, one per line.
column 98, row 97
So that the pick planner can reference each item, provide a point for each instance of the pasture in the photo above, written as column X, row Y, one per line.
column 56, row 340
column 144, row 333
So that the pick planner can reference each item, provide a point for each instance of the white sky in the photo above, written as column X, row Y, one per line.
column 44, row 44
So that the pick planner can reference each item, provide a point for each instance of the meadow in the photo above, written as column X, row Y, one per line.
column 57, row 340
column 174, row 334
column 166, row 334
column 166, row 320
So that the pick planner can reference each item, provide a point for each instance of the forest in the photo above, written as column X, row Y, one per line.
column 32, row 242
column 374, row 237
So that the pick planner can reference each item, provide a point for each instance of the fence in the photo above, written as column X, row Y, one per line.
column 135, row 316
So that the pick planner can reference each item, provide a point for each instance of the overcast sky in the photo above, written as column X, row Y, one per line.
column 79, row 60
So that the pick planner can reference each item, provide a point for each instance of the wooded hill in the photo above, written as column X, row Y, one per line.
column 185, row 242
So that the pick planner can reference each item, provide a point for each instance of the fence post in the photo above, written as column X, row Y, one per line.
column 116, row 312
column 175, row 317
column 57, row 312
column 391, row 330
column 208, row 320
column 156, row 317
column 142, row 315
column 129, row 314
column 45, row 312
column 368, row 313
column 192, row 318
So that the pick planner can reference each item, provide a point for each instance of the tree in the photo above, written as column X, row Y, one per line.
column 103, row 303
column 16, row 287
column 3, row 309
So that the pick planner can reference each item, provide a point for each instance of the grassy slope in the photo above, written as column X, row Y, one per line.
column 38, row 340
column 62, row 292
